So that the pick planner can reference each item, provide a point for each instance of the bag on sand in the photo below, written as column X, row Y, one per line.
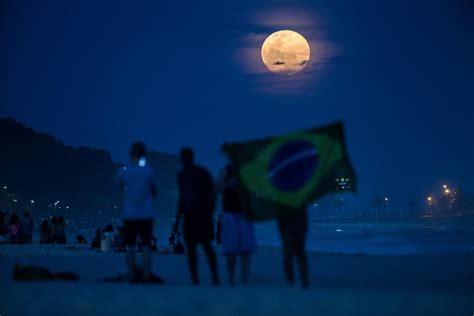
column 33, row 272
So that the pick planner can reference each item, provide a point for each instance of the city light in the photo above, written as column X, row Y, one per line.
column 15, row 200
column 32, row 201
column 5, row 187
column 386, row 199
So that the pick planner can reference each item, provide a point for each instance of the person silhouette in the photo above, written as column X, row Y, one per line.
column 293, row 229
column 238, row 235
column 138, row 185
column 196, row 205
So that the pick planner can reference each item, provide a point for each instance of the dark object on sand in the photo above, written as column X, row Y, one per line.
column 33, row 272
column 123, row 277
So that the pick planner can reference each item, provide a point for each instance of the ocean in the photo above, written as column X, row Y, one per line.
column 415, row 236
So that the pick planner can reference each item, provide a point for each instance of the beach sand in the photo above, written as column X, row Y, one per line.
column 340, row 285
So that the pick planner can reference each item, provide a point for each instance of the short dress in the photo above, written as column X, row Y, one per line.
column 238, row 234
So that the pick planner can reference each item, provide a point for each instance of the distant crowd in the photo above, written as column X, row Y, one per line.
column 16, row 230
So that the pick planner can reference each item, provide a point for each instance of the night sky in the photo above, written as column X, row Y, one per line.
column 400, row 74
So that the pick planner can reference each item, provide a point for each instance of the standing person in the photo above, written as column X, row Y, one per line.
column 55, row 230
column 238, row 235
column 2, row 224
column 14, row 229
column 196, row 204
column 27, row 228
column 61, row 230
column 293, row 230
column 138, row 185
column 45, row 232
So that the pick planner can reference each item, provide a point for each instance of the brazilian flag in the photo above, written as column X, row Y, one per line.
column 281, row 175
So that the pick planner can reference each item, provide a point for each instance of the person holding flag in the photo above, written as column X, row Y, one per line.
column 278, row 177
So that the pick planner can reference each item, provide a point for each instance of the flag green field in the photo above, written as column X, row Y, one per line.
column 283, row 174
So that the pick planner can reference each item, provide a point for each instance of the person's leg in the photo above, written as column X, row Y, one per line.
column 130, row 239
column 146, row 262
column 287, row 240
column 300, row 252
column 245, row 262
column 131, row 263
column 192, row 259
column 231, row 263
column 146, row 233
column 212, row 260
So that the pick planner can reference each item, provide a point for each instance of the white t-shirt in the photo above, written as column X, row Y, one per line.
column 137, row 197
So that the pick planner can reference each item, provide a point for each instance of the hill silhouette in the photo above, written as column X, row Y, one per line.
column 39, row 167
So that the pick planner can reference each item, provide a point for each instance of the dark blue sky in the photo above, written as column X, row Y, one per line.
column 104, row 73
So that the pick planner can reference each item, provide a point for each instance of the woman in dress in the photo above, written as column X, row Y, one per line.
column 238, row 235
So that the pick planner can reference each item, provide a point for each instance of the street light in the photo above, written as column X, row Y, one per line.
column 32, row 201
column 55, row 206
column 5, row 187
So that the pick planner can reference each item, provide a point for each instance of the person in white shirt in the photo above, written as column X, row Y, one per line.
column 137, row 183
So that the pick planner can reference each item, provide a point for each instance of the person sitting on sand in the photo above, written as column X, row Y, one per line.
column 196, row 204
column 95, row 244
column 45, row 232
column 80, row 240
column 14, row 229
column 138, row 186
column 107, row 239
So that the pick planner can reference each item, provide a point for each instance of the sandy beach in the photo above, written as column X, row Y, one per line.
column 340, row 285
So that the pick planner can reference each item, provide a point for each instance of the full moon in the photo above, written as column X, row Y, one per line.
column 285, row 52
